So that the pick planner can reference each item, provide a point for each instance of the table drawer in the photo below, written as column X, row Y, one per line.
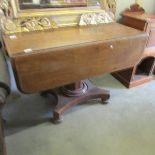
column 49, row 69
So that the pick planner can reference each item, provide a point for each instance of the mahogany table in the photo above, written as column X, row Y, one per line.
column 61, row 58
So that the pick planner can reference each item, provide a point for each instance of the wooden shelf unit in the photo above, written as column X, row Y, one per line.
column 145, row 67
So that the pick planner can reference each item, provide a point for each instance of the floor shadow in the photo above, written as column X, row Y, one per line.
column 25, row 111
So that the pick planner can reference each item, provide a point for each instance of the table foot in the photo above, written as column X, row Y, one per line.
column 67, row 100
column 57, row 118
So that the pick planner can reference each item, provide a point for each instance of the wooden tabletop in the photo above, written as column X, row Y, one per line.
column 21, row 43
column 140, row 15
column 67, row 55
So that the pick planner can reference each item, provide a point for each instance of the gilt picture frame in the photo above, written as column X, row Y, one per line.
column 14, row 19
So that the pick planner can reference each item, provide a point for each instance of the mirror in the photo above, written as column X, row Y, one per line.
column 43, row 4
column 40, row 4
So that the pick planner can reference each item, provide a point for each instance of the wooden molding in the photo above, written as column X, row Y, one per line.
column 135, row 8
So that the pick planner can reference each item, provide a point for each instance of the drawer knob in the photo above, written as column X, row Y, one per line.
column 111, row 46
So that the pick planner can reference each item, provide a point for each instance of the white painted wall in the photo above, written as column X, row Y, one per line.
column 149, row 5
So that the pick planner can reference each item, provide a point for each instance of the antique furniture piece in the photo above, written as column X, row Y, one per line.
column 57, row 60
column 65, row 56
column 143, row 69
column 49, row 59
column 4, row 92
column 42, row 15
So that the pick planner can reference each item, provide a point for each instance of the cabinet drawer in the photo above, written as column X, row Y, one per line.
column 134, row 23
column 45, row 70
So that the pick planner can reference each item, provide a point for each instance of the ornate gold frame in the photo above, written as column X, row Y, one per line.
column 14, row 20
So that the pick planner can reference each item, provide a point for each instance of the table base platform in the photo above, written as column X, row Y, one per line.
column 73, row 94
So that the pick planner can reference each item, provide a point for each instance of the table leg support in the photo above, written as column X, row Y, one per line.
column 73, row 94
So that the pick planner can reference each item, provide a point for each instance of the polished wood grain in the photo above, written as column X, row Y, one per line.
column 66, row 37
column 137, row 24
column 143, row 16
column 68, row 55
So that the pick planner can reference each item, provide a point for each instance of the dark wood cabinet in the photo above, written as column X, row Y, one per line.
column 144, row 68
